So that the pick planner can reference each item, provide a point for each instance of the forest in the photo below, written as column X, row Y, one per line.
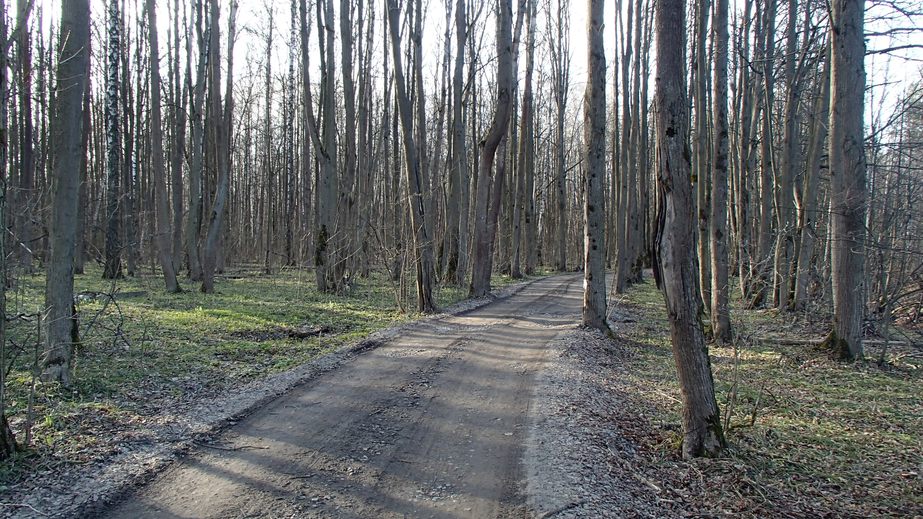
column 200, row 196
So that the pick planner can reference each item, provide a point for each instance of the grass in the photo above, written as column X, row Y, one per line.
column 145, row 352
column 809, row 436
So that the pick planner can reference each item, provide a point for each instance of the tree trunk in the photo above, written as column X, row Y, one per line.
column 62, row 332
column 594, row 131
column 223, row 129
column 196, row 162
column 847, row 176
column 423, row 245
column 785, row 198
column 720, row 316
column 26, row 199
column 808, row 220
column 113, row 265
column 675, row 268
column 484, row 220
column 7, row 440
column 162, row 204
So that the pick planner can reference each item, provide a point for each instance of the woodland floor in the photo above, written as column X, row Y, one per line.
column 501, row 410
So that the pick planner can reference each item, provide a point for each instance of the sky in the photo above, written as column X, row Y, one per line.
column 888, row 75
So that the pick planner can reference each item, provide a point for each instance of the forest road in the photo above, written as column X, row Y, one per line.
column 430, row 424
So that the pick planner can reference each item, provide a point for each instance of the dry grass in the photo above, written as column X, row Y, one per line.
column 810, row 436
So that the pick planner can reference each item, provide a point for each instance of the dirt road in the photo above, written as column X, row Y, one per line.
column 431, row 424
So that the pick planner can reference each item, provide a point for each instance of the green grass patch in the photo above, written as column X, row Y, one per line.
column 144, row 352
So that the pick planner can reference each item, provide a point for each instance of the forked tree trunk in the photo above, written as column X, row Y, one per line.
column 675, row 267
column 423, row 245
column 223, row 122
column 847, row 176
column 159, row 174
column 594, row 131
column 485, row 219
column 720, row 315
column 62, row 332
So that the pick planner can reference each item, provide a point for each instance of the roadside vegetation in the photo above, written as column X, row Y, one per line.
column 145, row 354
column 809, row 436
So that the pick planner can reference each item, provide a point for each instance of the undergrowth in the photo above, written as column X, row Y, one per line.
column 810, row 436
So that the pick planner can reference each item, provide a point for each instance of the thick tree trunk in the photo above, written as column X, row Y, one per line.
column 159, row 174
column 113, row 264
column 594, row 131
column 484, row 218
column 62, row 332
column 720, row 315
column 847, row 176
column 675, row 267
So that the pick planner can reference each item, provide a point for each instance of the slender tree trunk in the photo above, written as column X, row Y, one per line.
column 62, row 333
column 459, row 145
column 196, row 162
column 484, row 218
column 675, row 268
column 785, row 197
column 178, row 148
column 594, row 131
column 808, row 227
column 847, row 176
column 423, row 245
column 159, row 174
column 113, row 265
column 26, row 199
column 522, row 210
column 223, row 130
column 7, row 440
column 720, row 315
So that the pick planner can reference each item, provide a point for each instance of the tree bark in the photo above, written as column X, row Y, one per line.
column 720, row 315
column 72, row 75
column 113, row 264
column 484, row 218
column 223, row 129
column 594, row 132
column 423, row 245
column 162, row 204
column 675, row 268
column 847, row 176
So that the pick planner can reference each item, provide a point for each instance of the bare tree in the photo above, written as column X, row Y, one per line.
column 7, row 440
column 113, row 265
column 423, row 245
column 485, row 218
column 159, row 174
column 62, row 332
column 720, row 315
column 848, row 191
column 594, row 131
column 675, row 266
column 223, row 128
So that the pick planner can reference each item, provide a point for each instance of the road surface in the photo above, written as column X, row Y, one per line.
column 431, row 424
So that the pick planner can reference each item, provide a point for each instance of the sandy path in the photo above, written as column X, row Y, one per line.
column 432, row 424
